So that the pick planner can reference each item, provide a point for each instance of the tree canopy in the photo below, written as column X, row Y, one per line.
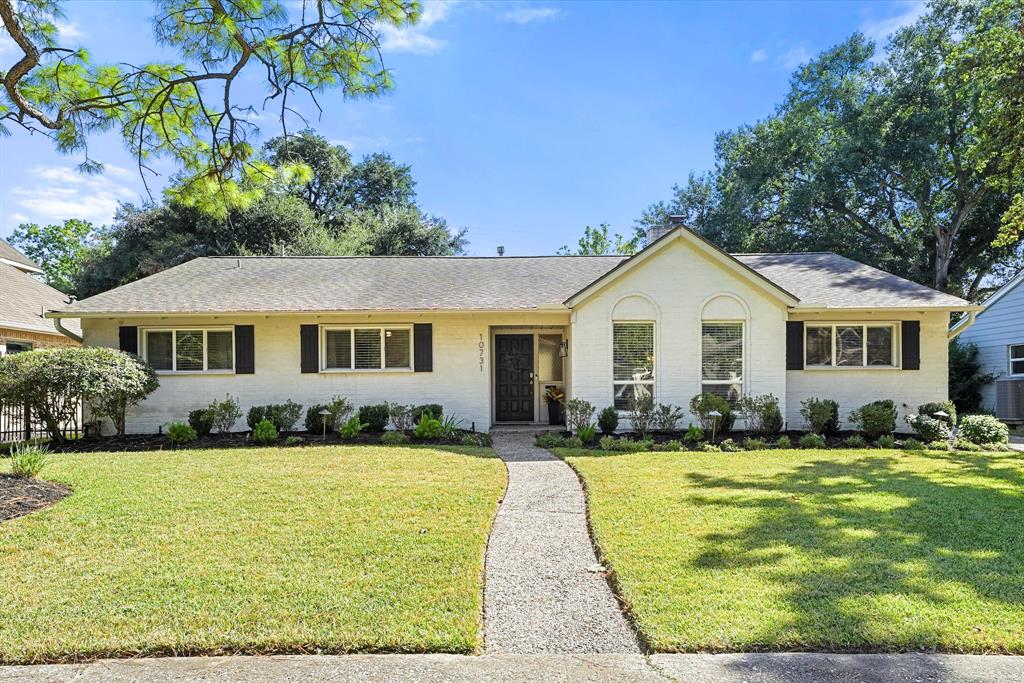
column 897, row 158
column 60, row 249
column 597, row 242
column 186, row 109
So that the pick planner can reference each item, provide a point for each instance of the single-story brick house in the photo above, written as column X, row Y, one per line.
column 24, row 300
column 486, row 336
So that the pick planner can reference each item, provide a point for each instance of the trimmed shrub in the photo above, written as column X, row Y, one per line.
column 550, row 440
column 855, row 441
column 812, row 441
column 375, row 416
column 996, row 447
column 693, row 434
column 875, row 418
column 885, row 441
column 673, row 445
column 702, row 405
column 609, row 443
column 970, row 447
column 710, row 448
column 416, row 412
column 821, row 415
column 784, row 442
column 475, row 439
column 938, row 446
column 730, row 446
column 578, row 413
column 428, row 427
column 264, row 432
column 912, row 445
column 642, row 419
column 282, row 415
column 608, row 420
column 947, row 407
column 983, row 429
column 928, row 428
column 225, row 414
column 28, row 460
column 967, row 377
column 52, row 383
column 351, row 427
column 292, row 440
column 587, row 434
column 752, row 444
column 762, row 414
column 339, row 408
column 201, row 420
column 401, row 417
column 181, row 433
column 667, row 417
column 573, row 442
column 394, row 438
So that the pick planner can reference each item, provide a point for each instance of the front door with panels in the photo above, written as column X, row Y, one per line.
column 513, row 381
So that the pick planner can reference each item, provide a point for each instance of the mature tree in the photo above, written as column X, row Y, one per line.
column 597, row 241
column 59, row 248
column 872, row 156
column 187, row 109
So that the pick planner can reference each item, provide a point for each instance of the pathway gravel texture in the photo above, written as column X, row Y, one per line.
column 541, row 591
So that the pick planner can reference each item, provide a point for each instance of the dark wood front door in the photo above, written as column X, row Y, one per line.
column 513, row 367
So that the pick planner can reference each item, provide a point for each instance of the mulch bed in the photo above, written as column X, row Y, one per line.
column 833, row 441
column 160, row 442
column 20, row 496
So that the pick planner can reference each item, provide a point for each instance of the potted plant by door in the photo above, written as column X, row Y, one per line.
column 555, row 397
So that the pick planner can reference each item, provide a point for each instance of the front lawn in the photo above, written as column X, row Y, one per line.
column 834, row 550
column 333, row 549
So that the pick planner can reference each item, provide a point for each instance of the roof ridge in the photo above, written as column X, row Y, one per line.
column 389, row 256
column 788, row 253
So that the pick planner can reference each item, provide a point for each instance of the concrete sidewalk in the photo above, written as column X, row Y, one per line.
column 735, row 668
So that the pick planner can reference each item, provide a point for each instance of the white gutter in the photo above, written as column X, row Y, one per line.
column 962, row 325
column 65, row 331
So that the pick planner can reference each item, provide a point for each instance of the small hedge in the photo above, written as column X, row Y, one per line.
column 282, row 415
column 875, row 418
column 983, row 429
column 375, row 416
column 201, row 420
column 821, row 415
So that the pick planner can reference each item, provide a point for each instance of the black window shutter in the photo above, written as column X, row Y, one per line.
column 794, row 345
column 128, row 339
column 245, row 350
column 911, row 335
column 309, row 342
column 423, row 347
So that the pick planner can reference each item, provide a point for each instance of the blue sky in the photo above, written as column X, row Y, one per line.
column 523, row 122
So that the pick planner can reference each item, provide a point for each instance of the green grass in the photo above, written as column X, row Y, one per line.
column 836, row 550
column 334, row 549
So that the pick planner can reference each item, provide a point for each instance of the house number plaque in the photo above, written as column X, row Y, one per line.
column 480, row 345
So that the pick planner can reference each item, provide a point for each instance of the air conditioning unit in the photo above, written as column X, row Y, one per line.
column 1010, row 400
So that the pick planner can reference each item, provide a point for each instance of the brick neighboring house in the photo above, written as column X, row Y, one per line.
column 23, row 300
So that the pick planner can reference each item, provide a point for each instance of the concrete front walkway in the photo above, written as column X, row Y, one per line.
column 738, row 668
column 543, row 590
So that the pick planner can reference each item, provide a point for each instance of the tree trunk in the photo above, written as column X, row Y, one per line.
column 943, row 256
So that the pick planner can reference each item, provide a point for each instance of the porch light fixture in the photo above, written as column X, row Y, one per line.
column 563, row 349
column 324, row 414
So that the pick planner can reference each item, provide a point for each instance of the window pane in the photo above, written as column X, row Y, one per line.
column 159, row 350
column 730, row 392
column 850, row 346
column 220, row 354
column 819, row 346
column 879, row 346
column 189, row 350
column 396, row 348
column 367, row 349
column 633, row 351
column 17, row 347
column 1017, row 351
column 624, row 393
column 722, row 351
column 339, row 349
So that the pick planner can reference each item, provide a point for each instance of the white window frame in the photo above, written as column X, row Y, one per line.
column 893, row 334
column 743, row 356
column 1010, row 360
column 324, row 329
column 206, row 349
column 653, row 382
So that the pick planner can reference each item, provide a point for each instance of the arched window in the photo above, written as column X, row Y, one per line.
column 724, row 319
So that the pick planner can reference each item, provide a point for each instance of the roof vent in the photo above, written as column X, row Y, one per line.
column 501, row 251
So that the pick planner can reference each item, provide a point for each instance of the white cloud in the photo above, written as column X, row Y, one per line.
column 69, row 30
column 794, row 57
column 58, row 192
column 880, row 29
column 415, row 38
column 19, row 218
column 526, row 15
column 758, row 56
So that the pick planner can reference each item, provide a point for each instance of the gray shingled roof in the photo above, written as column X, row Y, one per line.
column 252, row 284
column 832, row 281
column 23, row 299
column 267, row 283
column 9, row 253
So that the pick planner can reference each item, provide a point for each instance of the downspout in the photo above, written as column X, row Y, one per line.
column 65, row 331
column 962, row 327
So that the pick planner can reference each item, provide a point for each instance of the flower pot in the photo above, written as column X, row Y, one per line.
column 555, row 414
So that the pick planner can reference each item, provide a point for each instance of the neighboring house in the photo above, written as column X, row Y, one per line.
column 998, row 332
column 485, row 336
column 23, row 302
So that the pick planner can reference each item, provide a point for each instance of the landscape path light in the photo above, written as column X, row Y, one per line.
column 714, row 414
column 324, row 414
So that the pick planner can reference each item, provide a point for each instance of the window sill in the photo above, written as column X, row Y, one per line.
column 850, row 368
column 364, row 371
column 193, row 373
